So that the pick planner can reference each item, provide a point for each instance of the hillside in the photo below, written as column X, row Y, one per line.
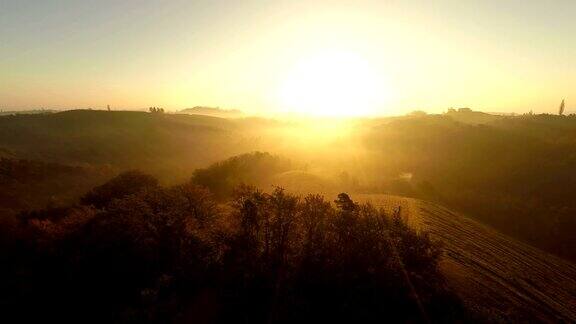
column 169, row 146
column 515, row 174
column 26, row 184
column 160, row 143
column 498, row 276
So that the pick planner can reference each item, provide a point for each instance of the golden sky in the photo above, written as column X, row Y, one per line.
column 272, row 57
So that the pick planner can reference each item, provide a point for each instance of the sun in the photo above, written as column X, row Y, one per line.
column 333, row 84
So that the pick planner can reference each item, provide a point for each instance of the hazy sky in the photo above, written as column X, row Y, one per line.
column 489, row 55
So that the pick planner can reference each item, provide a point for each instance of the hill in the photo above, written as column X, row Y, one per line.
column 515, row 173
column 160, row 143
column 498, row 276
column 28, row 184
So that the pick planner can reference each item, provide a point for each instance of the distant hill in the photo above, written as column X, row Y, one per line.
column 163, row 144
column 216, row 112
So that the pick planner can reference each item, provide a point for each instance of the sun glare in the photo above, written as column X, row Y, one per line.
column 333, row 84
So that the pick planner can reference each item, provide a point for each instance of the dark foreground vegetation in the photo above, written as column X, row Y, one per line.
column 134, row 251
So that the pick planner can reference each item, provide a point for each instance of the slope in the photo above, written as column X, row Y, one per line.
column 158, row 143
column 497, row 276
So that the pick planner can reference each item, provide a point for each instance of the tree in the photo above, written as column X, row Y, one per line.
column 345, row 203
column 125, row 184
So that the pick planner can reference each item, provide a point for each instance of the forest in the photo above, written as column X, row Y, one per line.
column 134, row 251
